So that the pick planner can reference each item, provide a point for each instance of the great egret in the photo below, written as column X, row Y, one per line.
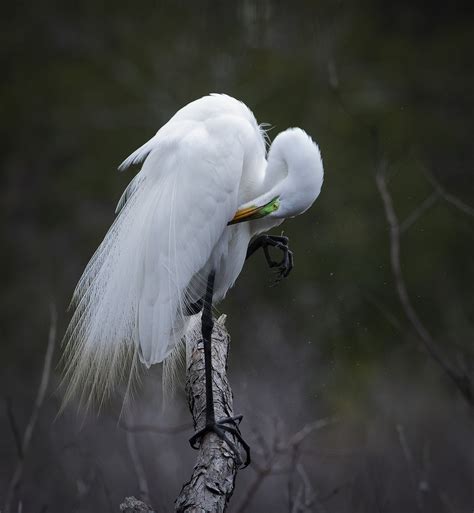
column 204, row 192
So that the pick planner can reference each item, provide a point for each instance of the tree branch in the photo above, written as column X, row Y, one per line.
column 30, row 427
column 212, row 482
column 461, row 381
column 450, row 198
column 273, row 454
column 421, row 209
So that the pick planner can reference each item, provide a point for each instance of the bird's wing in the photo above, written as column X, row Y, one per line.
column 199, row 198
column 131, row 296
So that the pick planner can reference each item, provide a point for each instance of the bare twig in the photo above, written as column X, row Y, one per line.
column 450, row 198
column 137, row 465
column 309, row 500
column 14, row 427
column 302, row 434
column 460, row 379
column 253, row 489
column 389, row 316
column 417, row 213
column 411, row 465
column 462, row 382
column 28, row 434
column 273, row 454
column 439, row 192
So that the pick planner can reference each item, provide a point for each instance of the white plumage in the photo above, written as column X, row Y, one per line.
column 204, row 165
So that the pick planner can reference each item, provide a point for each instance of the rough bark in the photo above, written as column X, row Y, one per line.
column 134, row 505
column 213, row 478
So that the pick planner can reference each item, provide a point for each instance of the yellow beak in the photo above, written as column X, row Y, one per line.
column 244, row 214
column 254, row 212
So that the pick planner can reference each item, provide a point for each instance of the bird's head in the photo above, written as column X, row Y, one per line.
column 295, row 158
column 293, row 180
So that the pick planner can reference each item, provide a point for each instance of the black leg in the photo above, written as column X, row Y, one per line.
column 285, row 265
column 228, row 424
column 207, row 325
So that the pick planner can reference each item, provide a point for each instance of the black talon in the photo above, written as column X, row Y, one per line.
column 220, row 428
column 285, row 265
column 228, row 424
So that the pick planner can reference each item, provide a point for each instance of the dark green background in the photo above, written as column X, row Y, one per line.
column 84, row 84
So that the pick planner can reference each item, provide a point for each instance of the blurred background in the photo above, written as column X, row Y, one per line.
column 354, row 379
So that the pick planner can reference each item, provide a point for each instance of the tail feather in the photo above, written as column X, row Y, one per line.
column 101, row 340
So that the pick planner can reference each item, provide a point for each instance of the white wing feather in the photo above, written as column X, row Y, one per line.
column 132, row 296
column 140, row 154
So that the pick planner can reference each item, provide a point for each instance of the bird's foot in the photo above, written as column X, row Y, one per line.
column 283, row 266
column 220, row 428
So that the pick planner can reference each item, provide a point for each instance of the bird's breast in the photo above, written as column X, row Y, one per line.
column 228, row 257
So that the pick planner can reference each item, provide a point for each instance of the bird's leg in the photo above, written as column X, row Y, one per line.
column 228, row 424
column 285, row 265
column 207, row 325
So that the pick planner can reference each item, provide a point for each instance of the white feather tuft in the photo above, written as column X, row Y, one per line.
column 140, row 154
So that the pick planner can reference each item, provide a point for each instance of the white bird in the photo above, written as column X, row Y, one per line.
column 205, row 190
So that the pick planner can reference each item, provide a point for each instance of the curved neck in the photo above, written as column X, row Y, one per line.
column 294, row 172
